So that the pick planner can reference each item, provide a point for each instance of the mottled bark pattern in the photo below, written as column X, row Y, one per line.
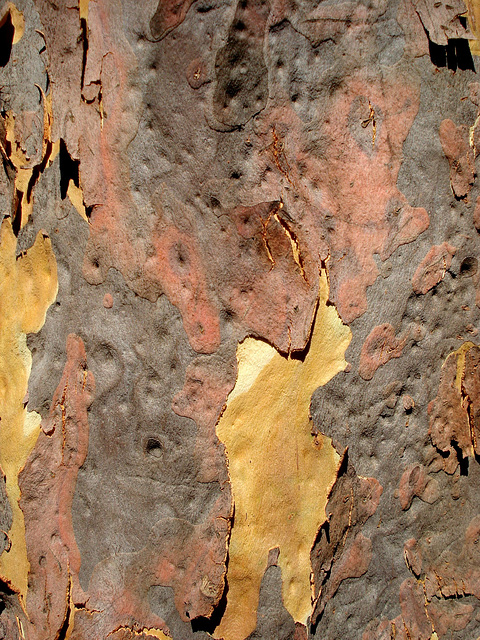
column 239, row 316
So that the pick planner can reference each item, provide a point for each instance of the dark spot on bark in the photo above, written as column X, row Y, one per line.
column 84, row 39
column 17, row 212
column 469, row 267
column 154, row 447
column 69, row 170
column 455, row 55
column 7, row 31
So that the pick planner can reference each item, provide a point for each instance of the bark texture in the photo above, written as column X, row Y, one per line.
column 239, row 315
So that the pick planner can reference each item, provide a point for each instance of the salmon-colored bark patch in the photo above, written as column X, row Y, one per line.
column 381, row 345
column 433, row 267
column 460, row 155
column 47, row 483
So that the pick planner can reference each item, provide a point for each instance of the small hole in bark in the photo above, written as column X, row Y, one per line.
column 469, row 267
column 154, row 447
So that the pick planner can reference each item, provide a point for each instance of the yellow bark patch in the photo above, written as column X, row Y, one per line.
column 156, row 633
column 18, row 21
column 28, row 286
column 461, row 355
column 83, row 9
column 18, row 157
column 280, row 472
column 473, row 8
column 75, row 195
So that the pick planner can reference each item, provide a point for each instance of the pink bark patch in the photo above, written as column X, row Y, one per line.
column 433, row 267
column 460, row 156
column 380, row 346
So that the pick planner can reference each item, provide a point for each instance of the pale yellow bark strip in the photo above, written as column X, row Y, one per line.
column 280, row 472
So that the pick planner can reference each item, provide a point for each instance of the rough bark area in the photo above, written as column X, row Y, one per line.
column 239, row 315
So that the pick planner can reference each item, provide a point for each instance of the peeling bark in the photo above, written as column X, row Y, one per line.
column 239, row 315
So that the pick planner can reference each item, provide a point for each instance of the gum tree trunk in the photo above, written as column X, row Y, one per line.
column 239, row 314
